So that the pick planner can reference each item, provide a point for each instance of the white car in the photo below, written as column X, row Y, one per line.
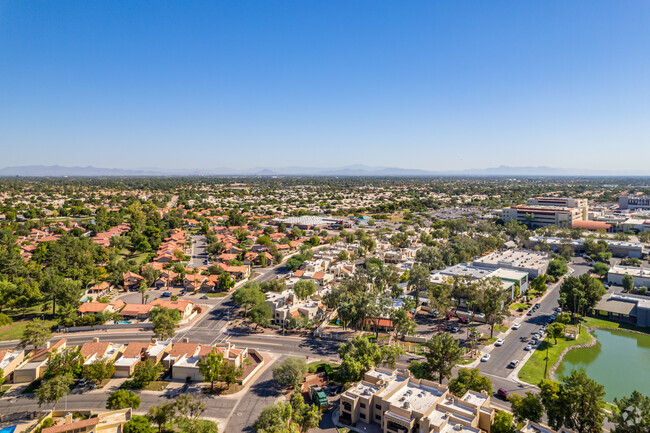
column 499, row 342
column 528, row 347
column 516, row 326
column 485, row 358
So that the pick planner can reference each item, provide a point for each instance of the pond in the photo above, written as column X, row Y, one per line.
column 620, row 361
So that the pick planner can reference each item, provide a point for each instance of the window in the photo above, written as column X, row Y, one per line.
column 378, row 417
column 378, row 406
column 347, row 406
column 362, row 405
column 362, row 415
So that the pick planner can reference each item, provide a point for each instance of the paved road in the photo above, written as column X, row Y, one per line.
column 513, row 347
column 199, row 256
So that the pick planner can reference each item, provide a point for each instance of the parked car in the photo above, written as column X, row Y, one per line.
column 204, row 297
column 166, row 294
column 513, row 363
column 503, row 393
column 463, row 320
column 528, row 347
column 530, row 313
column 516, row 326
column 499, row 342
column 485, row 358
column 536, row 337
column 455, row 329
column 558, row 309
column 537, row 305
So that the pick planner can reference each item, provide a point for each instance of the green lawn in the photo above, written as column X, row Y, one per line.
column 500, row 328
column 156, row 385
column 216, row 294
column 4, row 389
column 533, row 371
column 465, row 361
column 517, row 306
column 594, row 321
column 15, row 330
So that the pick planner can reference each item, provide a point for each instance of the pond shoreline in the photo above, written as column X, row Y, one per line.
column 593, row 342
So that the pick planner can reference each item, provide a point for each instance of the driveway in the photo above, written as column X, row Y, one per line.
column 199, row 255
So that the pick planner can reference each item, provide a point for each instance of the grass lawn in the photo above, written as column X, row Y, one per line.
column 465, row 361
column 594, row 321
column 4, row 389
column 500, row 328
column 216, row 294
column 518, row 306
column 156, row 385
column 15, row 330
column 533, row 371
column 342, row 429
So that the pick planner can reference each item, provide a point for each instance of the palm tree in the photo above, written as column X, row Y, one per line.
column 142, row 288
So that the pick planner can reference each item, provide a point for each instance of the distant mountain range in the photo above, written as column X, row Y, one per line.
column 350, row 170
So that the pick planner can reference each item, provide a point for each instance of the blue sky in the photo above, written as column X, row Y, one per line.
column 436, row 85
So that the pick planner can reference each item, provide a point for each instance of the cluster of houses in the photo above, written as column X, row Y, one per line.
column 30, row 242
column 140, row 312
column 104, row 238
column 181, row 358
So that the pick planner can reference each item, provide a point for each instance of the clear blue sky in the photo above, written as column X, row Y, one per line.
column 431, row 84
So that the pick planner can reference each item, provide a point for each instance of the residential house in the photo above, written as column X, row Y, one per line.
column 135, row 352
column 132, row 280
column 193, row 282
column 9, row 361
column 37, row 362
column 183, row 305
column 95, row 350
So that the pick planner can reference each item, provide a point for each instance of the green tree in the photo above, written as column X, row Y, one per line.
column 211, row 367
column 290, row 372
column 529, row 407
column 304, row 288
column 226, row 282
column 443, row 354
column 502, row 423
column 580, row 294
column 231, row 373
column 53, row 390
column 555, row 330
column 161, row 414
column 492, row 303
column 247, row 297
column 633, row 414
column 360, row 355
column 146, row 372
column 418, row 277
column 2, row 376
column 65, row 361
column 98, row 370
column 164, row 321
column 138, row 424
column 538, row 283
column 122, row 399
column 142, row 289
column 628, row 283
column 276, row 419
column 601, row 269
column 583, row 402
column 261, row 314
column 36, row 333
column 304, row 416
column 469, row 379
column 557, row 268
column 189, row 410
column 552, row 399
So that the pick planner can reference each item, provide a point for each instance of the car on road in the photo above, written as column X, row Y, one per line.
column 528, row 347
column 516, row 326
column 513, row 363
column 204, row 297
column 166, row 294
column 503, row 393
column 537, row 305
column 455, row 329
column 499, row 342
column 530, row 313
column 536, row 337
column 486, row 357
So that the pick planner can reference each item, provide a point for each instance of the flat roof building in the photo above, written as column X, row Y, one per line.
column 634, row 202
column 400, row 403
column 532, row 262
column 545, row 211
column 641, row 275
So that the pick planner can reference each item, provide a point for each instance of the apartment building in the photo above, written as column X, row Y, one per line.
column 513, row 282
column 617, row 248
column 400, row 403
